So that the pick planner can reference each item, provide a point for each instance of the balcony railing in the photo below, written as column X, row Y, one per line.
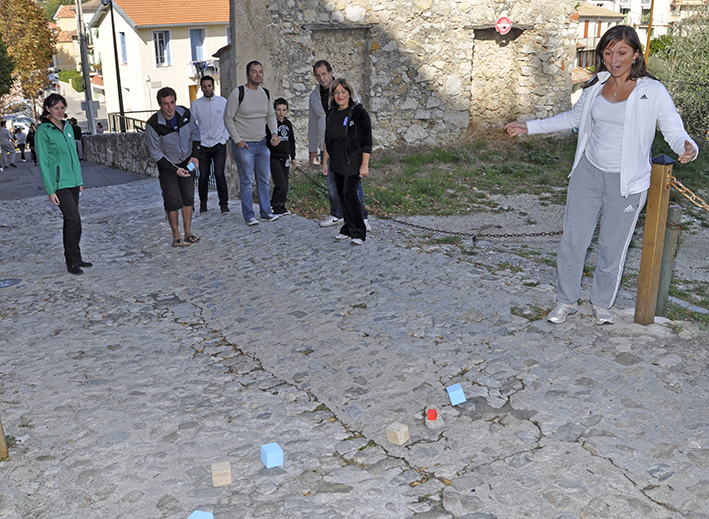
column 129, row 122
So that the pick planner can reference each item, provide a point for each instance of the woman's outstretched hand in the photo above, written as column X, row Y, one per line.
column 516, row 128
column 689, row 153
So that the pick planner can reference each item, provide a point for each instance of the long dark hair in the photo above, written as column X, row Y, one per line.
column 346, row 85
column 628, row 35
column 50, row 101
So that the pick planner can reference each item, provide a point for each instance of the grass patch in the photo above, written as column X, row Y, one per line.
column 679, row 313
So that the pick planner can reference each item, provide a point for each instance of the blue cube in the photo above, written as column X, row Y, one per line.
column 271, row 455
column 455, row 393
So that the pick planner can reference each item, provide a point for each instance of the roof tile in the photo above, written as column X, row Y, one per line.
column 149, row 13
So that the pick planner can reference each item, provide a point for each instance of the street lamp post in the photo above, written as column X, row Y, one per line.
column 118, row 69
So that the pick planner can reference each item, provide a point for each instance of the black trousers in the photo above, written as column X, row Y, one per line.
column 69, row 206
column 217, row 155
column 347, row 190
column 279, row 174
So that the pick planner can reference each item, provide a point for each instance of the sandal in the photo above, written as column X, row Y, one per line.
column 177, row 242
column 192, row 238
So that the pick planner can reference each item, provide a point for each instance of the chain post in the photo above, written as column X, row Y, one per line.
column 658, row 198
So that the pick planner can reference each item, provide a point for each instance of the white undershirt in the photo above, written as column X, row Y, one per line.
column 606, row 137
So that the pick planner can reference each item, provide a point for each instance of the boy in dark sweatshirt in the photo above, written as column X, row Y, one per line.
column 282, row 158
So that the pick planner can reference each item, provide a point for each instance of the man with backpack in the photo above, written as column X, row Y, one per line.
column 248, row 112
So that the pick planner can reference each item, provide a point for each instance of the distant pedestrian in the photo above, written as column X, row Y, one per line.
column 61, row 174
column 173, row 141
column 77, row 137
column 282, row 158
column 99, row 128
column 348, row 146
column 208, row 111
column 30, row 142
column 617, row 116
column 21, row 140
column 7, row 147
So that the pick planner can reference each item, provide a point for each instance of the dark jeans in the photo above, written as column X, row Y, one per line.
column 34, row 156
column 69, row 206
column 348, row 190
column 279, row 174
column 22, row 151
column 335, row 205
column 217, row 155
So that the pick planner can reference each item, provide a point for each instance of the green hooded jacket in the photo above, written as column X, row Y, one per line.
column 58, row 160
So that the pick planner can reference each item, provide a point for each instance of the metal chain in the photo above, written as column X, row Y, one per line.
column 687, row 193
column 474, row 236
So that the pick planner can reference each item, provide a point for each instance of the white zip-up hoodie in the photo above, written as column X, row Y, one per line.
column 648, row 104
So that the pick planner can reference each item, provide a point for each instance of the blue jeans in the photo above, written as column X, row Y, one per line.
column 254, row 161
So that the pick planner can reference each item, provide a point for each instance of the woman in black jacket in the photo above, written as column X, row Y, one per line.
column 348, row 145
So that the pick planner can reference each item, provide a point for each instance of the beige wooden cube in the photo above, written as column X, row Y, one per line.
column 221, row 474
column 397, row 433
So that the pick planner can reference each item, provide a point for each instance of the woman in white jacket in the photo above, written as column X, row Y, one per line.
column 617, row 116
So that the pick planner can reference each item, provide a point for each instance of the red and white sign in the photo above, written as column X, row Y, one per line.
column 503, row 25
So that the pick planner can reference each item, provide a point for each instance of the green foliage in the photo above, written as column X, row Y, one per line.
column 49, row 7
column 683, row 65
column 74, row 77
column 22, row 25
column 660, row 44
column 7, row 65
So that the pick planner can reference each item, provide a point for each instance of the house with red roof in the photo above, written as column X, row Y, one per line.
column 67, row 54
column 157, row 43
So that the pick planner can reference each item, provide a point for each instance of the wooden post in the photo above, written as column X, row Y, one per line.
column 3, row 445
column 669, row 253
column 658, row 198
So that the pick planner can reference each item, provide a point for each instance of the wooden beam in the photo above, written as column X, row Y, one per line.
column 658, row 198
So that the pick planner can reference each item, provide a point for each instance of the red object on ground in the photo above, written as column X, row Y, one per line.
column 431, row 414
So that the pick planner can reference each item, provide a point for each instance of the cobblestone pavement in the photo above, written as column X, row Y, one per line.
column 121, row 387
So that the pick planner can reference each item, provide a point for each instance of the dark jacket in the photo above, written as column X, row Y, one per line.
column 287, row 146
column 358, row 135
column 58, row 160
column 168, row 146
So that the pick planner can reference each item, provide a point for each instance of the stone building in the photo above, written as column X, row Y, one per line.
column 427, row 71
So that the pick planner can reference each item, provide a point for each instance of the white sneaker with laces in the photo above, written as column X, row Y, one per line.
column 330, row 221
column 561, row 312
column 357, row 241
column 602, row 315
column 340, row 237
column 252, row 221
column 271, row 218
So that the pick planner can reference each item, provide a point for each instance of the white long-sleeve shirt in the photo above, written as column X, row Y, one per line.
column 649, row 104
column 209, row 114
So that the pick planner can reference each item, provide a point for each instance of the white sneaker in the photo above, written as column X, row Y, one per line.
column 271, row 218
column 252, row 221
column 1, row 170
column 330, row 221
column 357, row 241
column 366, row 224
column 602, row 315
column 561, row 311
column 340, row 237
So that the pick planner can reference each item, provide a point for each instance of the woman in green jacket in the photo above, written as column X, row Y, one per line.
column 61, row 174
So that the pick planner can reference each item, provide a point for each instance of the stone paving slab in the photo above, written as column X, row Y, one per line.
column 124, row 385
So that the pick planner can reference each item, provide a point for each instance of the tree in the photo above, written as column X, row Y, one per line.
column 683, row 66
column 29, row 42
column 6, row 67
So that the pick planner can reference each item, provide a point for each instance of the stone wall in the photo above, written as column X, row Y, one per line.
column 427, row 71
column 129, row 152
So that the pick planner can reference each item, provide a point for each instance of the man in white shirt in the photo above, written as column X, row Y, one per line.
column 208, row 111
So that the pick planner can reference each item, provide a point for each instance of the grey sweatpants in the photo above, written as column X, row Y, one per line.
column 595, row 194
